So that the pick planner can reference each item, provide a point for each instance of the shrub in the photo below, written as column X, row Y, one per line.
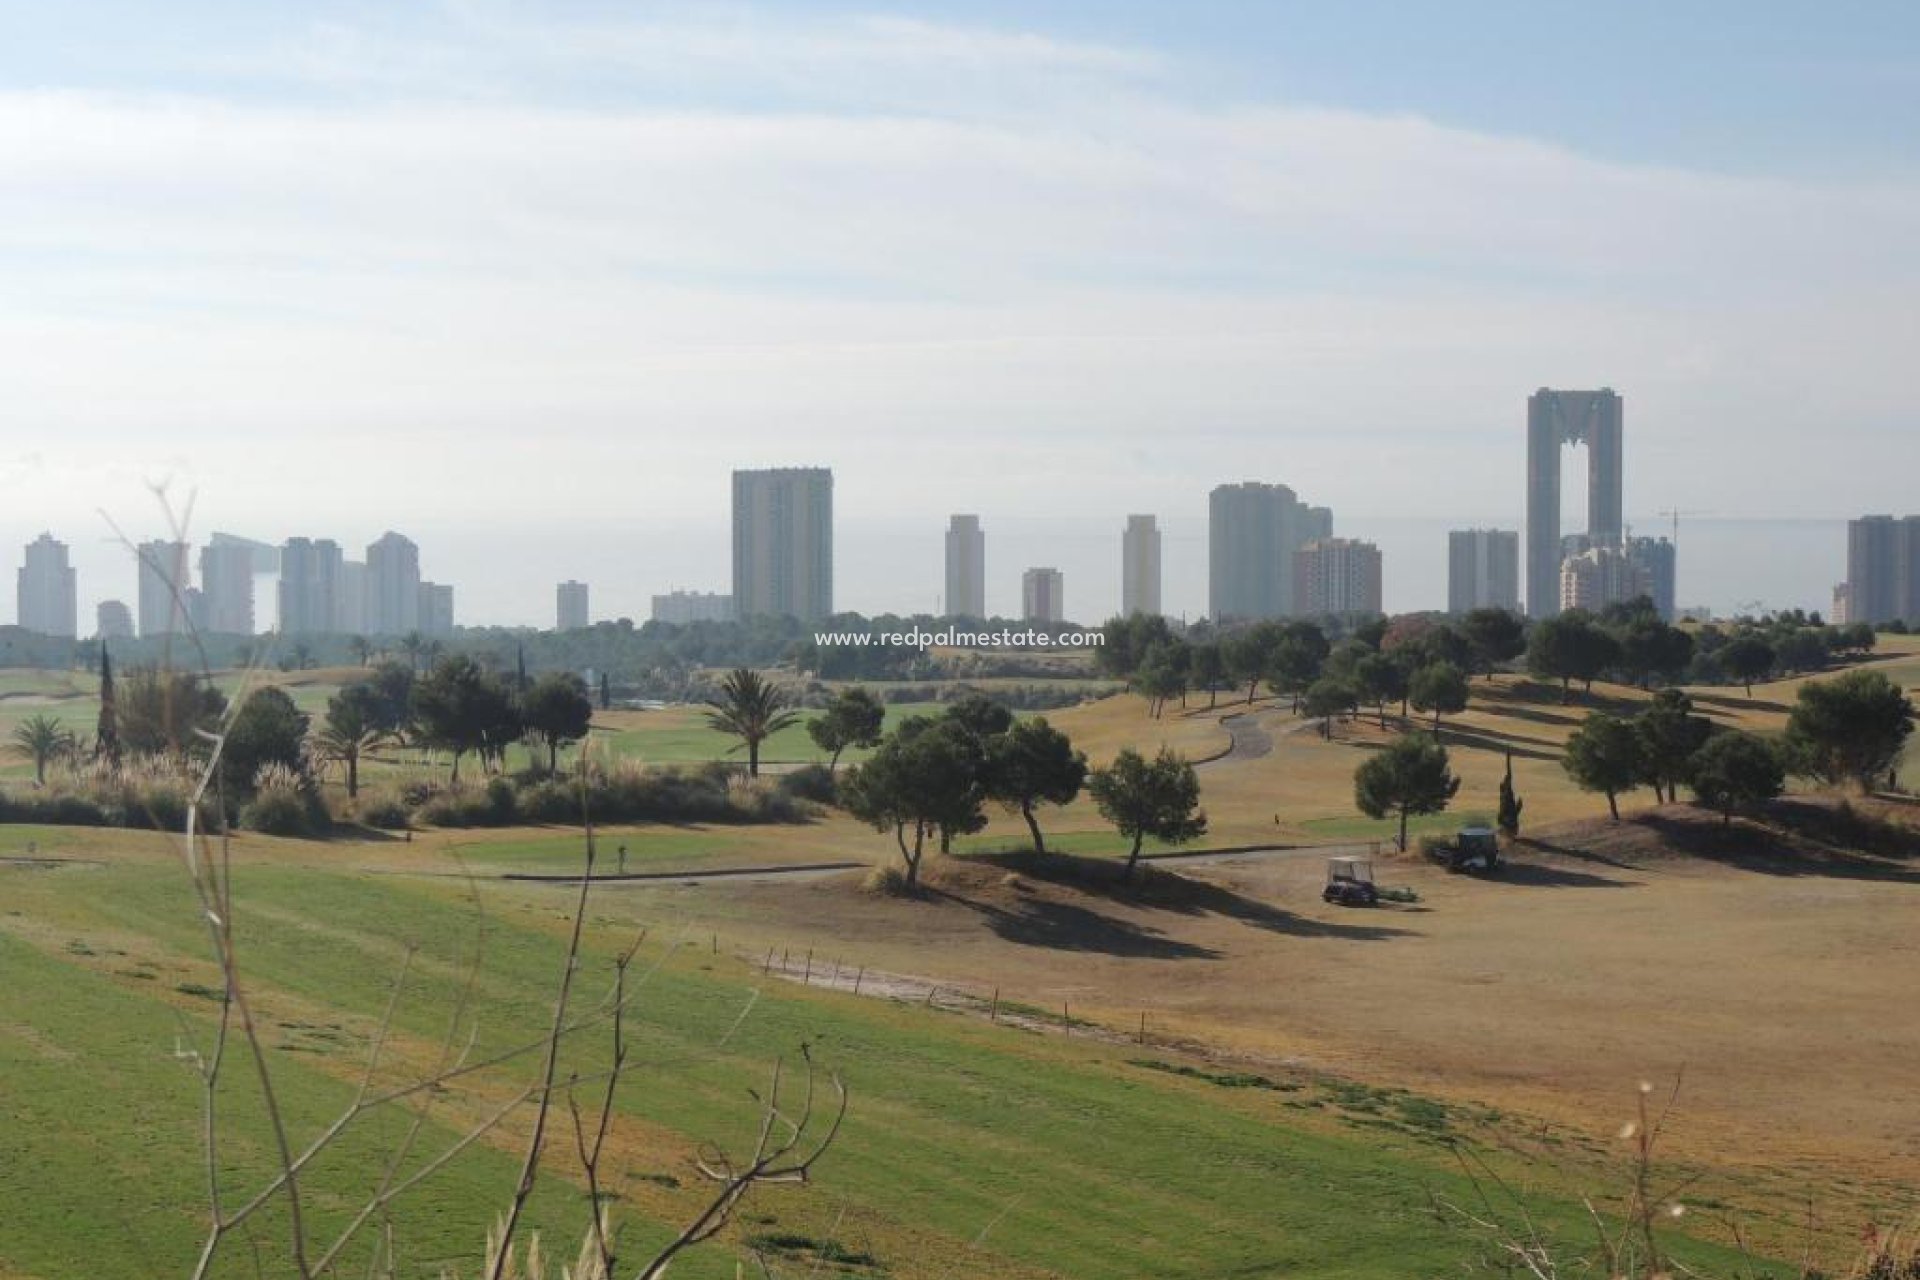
column 887, row 879
column 384, row 811
column 278, row 811
column 813, row 782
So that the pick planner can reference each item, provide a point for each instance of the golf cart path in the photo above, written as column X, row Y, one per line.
column 1251, row 733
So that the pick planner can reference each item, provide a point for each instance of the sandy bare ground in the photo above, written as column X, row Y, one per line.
column 1781, row 986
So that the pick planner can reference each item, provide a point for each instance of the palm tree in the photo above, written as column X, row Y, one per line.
column 349, row 732
column 41, row 738
column 752, row 710
column 362, row 649
column 411, row 644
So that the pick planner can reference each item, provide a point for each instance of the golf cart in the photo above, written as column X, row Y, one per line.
column 1350, row 883
column 1475, row 850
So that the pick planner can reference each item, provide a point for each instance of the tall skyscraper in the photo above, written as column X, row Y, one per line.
column 1253, row 529
column 1883, row 569
column 47, row 595
column 1337, row 576
column 679, row 608
column 393, row 586
column 165, row 579
column 570, row 606
column 434, row 608
column 112, row 620
column 1140, row 567
column 226, row 588
column 1657, row 563
column 1555, row 419
column 966, row 568
column 1040, row 595
column 310, row 571
column 1483, row 570
column 783, row 543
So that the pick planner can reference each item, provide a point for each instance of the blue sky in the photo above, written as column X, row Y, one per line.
column 1053, row 263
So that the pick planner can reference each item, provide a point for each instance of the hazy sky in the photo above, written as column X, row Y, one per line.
column 528, row 281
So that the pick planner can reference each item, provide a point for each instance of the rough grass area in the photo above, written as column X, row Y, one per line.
column 971, row 1150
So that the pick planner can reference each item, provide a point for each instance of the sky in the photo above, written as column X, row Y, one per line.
column 526, row 282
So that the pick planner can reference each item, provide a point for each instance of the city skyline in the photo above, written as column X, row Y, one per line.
column 1081, row 249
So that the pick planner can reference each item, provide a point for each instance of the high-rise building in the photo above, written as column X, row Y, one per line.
column 1656, row 561
column 47, row 597
column 165, row 579
column 1483, row 570
column 1599, row 576
column 1883, row 569
column 393, row 586
column 570, row 606
column 350, row 601
column 434, row 608
column 1337, row 576
column 226, row 588
column 112, row 620
column 1040, row 591
column 310, row 572
column 966, row 568
column 1842, row 611
column 1253, row 529
column 1554, row 419
column 1140, row 567
column 783, row 543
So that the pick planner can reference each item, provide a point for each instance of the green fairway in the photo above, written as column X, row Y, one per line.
column 970, row 1150
column 682, row 737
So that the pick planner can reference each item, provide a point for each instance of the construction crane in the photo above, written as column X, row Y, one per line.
column 1676, row 513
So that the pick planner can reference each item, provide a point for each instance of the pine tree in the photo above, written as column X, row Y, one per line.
column 106, row 734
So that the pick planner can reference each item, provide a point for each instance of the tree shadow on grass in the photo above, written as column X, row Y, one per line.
column 1102, row 881
column 1735, row 702
column 1534, row 875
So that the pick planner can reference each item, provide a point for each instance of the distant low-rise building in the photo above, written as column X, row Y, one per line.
column 112, row 620
column 680, row 608
column 570, row 606
column 1041, row 590
column 1337, row 576
column 436, row 609
column 1600, row 576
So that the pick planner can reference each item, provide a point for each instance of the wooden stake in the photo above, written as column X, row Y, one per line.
column 806, row 978
column 857, row 977
column 1143, row 1026
column 993, row 1015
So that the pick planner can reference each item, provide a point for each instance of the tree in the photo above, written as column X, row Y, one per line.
column 558, row 711
column 1141, row 798
column 1327, row 698
column 166, row 712
column 460, row 707
column 362, row 650
column 1441, row 688
column 1381, row 679
column 1207, row 669
column 1510, row 804
column 106, row 732
column 355, row 724
column 1604, row 755
column 606, row 693
column 413, row 644
column 1747, row 657
column 1295, row 659
column 927, row 775
column 1162, row 674
column 1248, row 655
column 1495, row 635
column 1669, row 735
column 982, row 716
column 1033, row 763
column 1653, row 649
column 1736, row 770
column 1408, row 778
column 42, row 739
column 751, row 709
column 853, row 718
column 1850, row 729
column 1570, row 646
column 268, row 729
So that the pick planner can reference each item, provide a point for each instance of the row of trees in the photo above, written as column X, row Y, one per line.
column 1848, row 731
column 933, row 777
